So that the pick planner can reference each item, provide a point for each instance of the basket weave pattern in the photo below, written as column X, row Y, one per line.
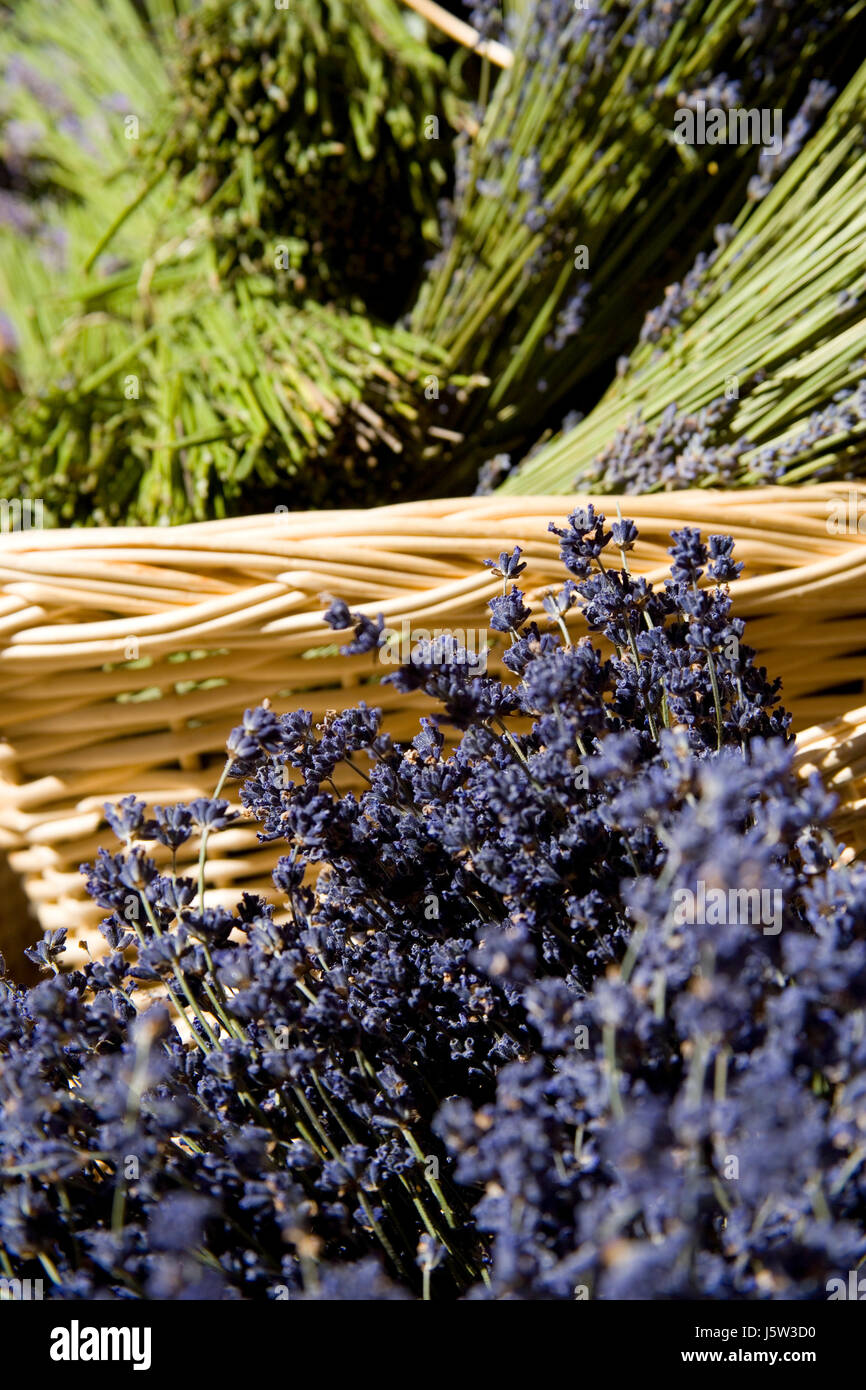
column 126, row 655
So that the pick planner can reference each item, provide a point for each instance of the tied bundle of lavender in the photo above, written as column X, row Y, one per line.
column 222, row 405
column 79, row 85
column 575, row 201
column 165, row 155
column 177, row 345
column 572, row 1010
column 320, row 129
column 751, row 369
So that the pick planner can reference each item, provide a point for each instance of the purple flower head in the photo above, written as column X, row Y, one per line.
column 126, row 818
column 338, row 615
column 624, row 534
column 557, row 604
column 509, row 612
column 209, row 813
column 369, row 632
column 369, row 635
column 172, row 826
column 259, row 733
column 582, row 541
column 507, row 566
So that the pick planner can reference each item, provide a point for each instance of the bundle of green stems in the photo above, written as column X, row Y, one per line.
column 156, row 378
column 771, row 348
column 574, row 204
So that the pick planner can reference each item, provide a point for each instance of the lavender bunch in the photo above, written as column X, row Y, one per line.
column 320, row 128
column 573, row 194
column 750, row 369
column 190, row 305
column 474, row 1052
column 224, row 404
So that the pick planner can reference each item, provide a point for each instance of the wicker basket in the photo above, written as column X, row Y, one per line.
column 126, row 655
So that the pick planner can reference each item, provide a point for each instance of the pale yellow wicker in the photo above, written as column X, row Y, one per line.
column 126, row 655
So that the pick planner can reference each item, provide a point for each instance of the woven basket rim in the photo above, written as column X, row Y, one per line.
column 78, row 732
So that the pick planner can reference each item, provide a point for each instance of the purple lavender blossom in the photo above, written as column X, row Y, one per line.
column 472, row 1052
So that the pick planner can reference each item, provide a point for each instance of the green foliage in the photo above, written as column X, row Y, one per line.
column 309, row 133
column 775, row 323
column 253, row 256
column 182, row 348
